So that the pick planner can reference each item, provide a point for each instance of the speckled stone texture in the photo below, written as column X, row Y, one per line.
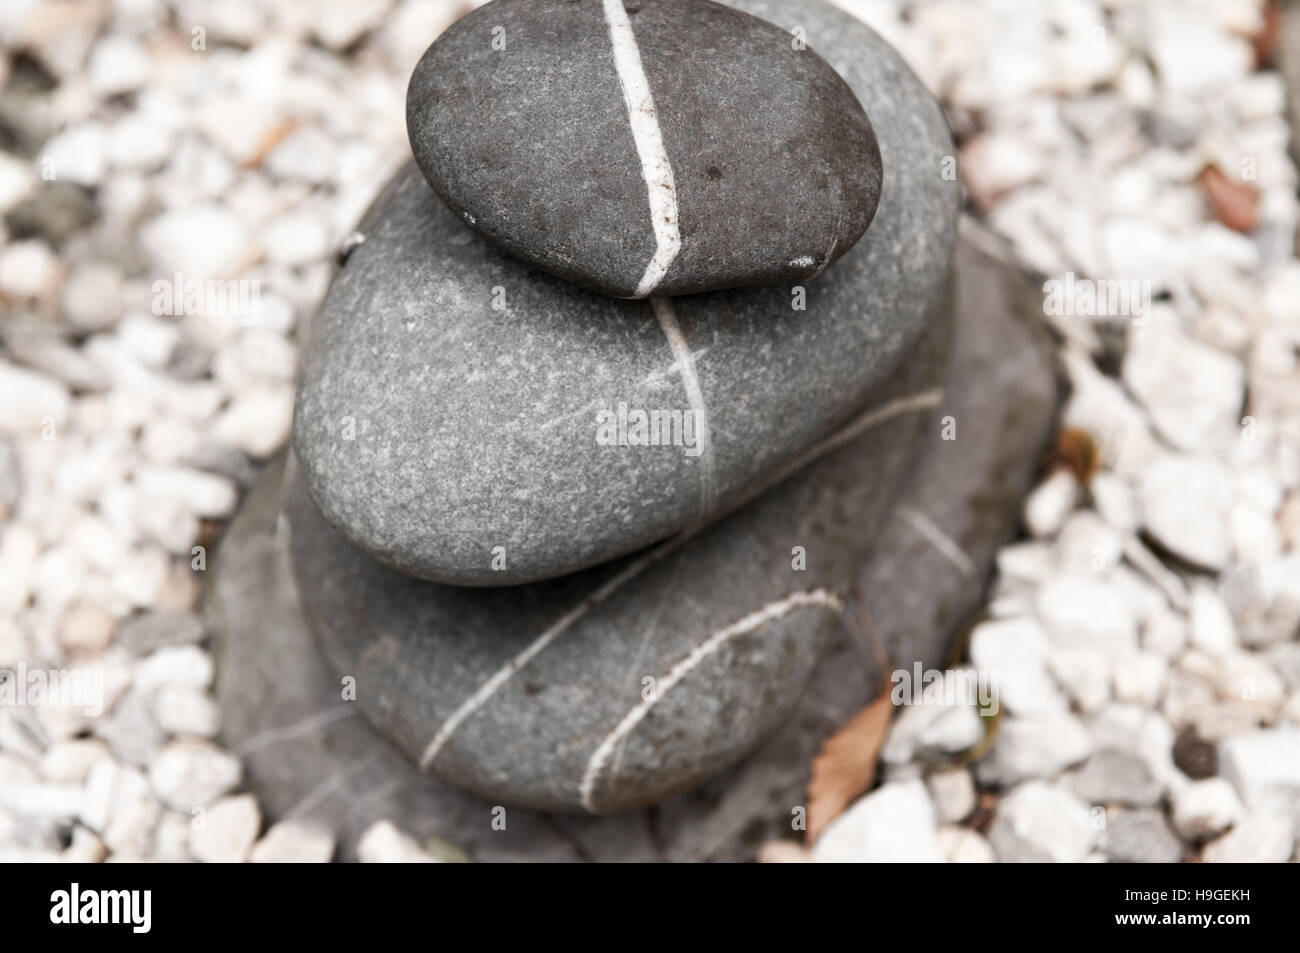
column 310, row 755
column 517, row 118
column 617, row 687
column 473, row 383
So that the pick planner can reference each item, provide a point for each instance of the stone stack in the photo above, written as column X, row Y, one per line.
column 615, row 385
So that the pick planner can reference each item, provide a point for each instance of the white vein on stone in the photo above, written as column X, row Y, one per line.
column 654, row 379
column 663, row 309
column 941, row 541
column 655, row 167
column 297, row 729
column 562, row 625
column 921, row 401
column 321, row 792
column 684, row 666
column 925, row 400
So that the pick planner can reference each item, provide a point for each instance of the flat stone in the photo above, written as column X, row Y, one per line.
column 478, row 387
column 308, row 756
column 637, row 679
column 664, row 146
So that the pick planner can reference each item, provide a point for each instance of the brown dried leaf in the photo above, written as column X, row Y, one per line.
column 846, row 766
column 1077, row 451
column 276, row 135
column 1236, row 203
column 1266, row 40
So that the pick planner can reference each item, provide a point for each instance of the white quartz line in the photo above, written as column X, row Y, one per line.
column 312, row 722
column 750, row 623
column 655, row 167
column 565, row 622
column 332, row 784
column 925, row 400
column 685, row 359
column 940, row 540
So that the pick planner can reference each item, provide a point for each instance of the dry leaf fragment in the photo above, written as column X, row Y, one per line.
column 1266, row 40
column 1236, row 203
column 276, row 135
column 1077, row 451
column 846, row 766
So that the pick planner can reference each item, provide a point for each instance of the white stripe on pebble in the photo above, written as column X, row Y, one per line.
column 750, row 623
column 685, row 358
column 565, row 622
column 655, row 167
column 484, row 693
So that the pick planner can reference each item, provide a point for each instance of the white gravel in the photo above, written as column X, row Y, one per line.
column 1154, row 611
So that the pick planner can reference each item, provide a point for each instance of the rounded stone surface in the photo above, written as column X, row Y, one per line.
column 616, row 687
column 664, row 146
column 470, row 420
column 309, row 755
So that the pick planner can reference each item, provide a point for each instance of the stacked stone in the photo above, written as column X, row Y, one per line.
column 673, row 213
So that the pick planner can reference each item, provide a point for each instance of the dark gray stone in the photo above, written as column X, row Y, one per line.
column 617, row 687
column 311, row 756
column 518, row 119
column 483, row 421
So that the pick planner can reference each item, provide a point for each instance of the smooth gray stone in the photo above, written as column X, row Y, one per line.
column 518, row 120
column 483, row 421
column 309, row 755
column 620, row 686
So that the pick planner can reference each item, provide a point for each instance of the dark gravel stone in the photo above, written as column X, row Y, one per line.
column 1195, row 757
